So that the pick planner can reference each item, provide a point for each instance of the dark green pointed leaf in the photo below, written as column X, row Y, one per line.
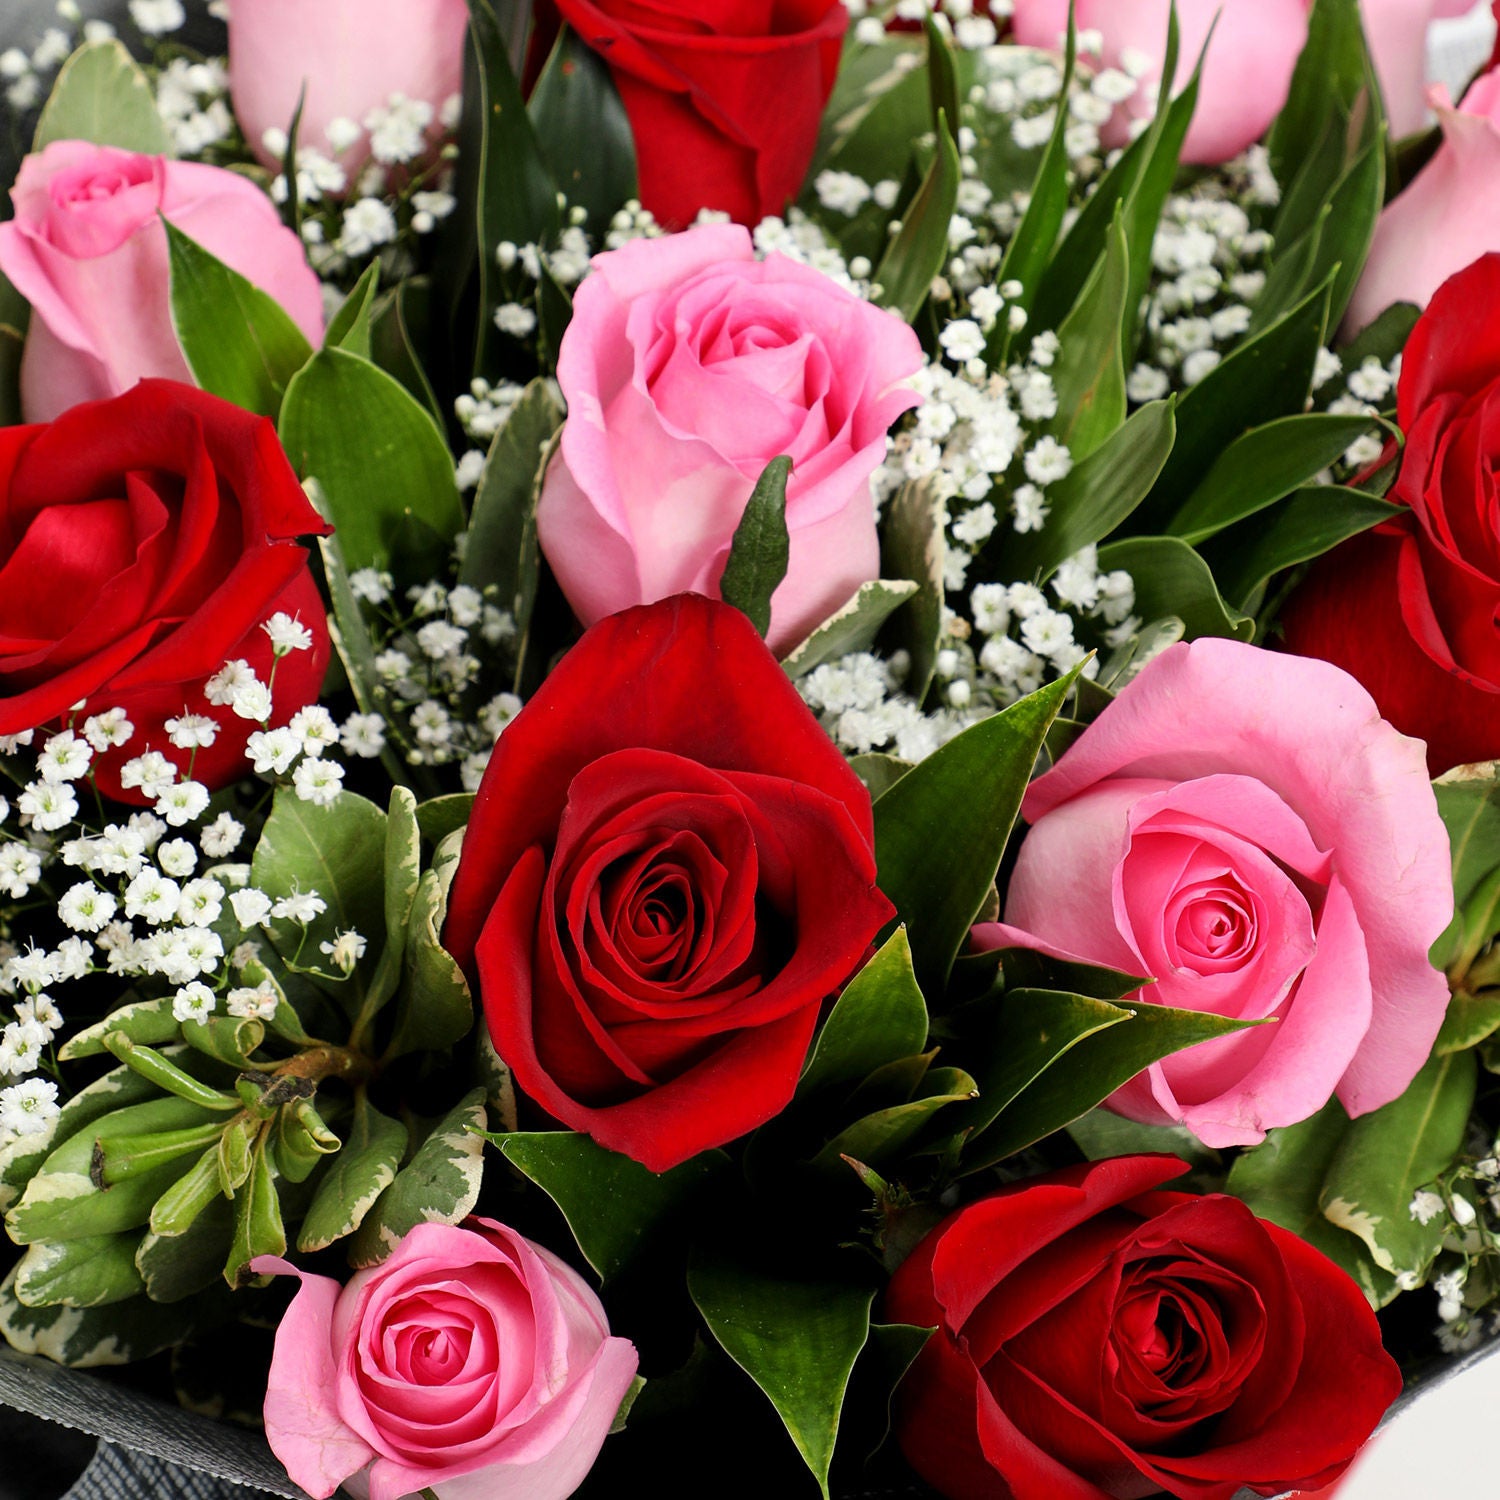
column 912, row 546
column 941, row 829
column 880, row 1137
column 346, row 626
column 942, row 77
column 853, row 627
column 880, row 1017
column 1280, row 1180
column 1096, row 1065
column 1171, row 580
column 1101, row 1134
column 583, row 133
column 797, row 1340
column 349, row 328
column 238, row 341
column 760, row 549
column 1027, row 969
column 440, row 1184
column 1097, row 493
column 379, row 459
column 1089, row 372
column 1385, row 1157
column 400, row 332
column 919, row 251
column 355, row 1178
column 613, row 1205
column 101, row 95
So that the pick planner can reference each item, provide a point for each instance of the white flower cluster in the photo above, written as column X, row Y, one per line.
column 860, row 702
column 191, row 100
column 1356, row 385
column 957, row 18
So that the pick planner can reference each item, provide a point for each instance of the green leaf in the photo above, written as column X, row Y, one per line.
column 15, row 317
column 852, row 627
column 1097, row 1064
column 258, row 1229
column 175, row 1266
column 881, row 1136
column 102, row 96
column 583, row 132
column 1262, row 378
column 403, row 868
column 1027, row 969
column 942, row 76
column 919, row 251
column 1101, row 1134
column 761, row 546
column 441, row 816
column 912, row 546
column 337, row 851
column 238, row 341
column 1265, row 465
column 1171, row 580
column 1089, row 372
column 1097, row 493
column 1354, row 207
column 1470, row 810
column 1310, row 523
column 1386, row 1156
column 440, row 1184
column 78, row 1273
column 1469, row 1020
column 115, row 1334
column 1280, row 1180
column 355, row 1178
column 941, row 829
column 501, row 529
column 614, row 1206
column 881, row 103
column 144, row 1021
column 381, row 462
column 400, row 325
column 880, row 1017
column 503, row 187
column 878, row 772
column 435, row 1009
column 349, row 328
column 797, row 1340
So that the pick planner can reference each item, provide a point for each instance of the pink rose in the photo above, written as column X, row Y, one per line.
column 472, row 1363
column 1247, row 829
column 1447, row 217
column 688, row 366
column 352, row 56
column 1397, row 33
column 1246, row 75
column 86, row 248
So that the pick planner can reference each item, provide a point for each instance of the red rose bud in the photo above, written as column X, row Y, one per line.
column 1411, row 608
column 724, row 101
column 668, row 868
column 1097, row 1337
column 145, row 541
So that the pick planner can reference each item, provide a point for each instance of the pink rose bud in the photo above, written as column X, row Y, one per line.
column 1447, row 218
column 689, row 365
column 472, row 1363
column 352, row 57
column 1246, row 74
column 87, row 250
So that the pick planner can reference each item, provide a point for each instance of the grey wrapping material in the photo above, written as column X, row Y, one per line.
column 145, row 1426
column 119, row 1474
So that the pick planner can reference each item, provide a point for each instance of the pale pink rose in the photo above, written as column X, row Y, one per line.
column 1246, row 75
column 472, row 1363
column 688, row 366
column 1447, row 217
column 351, row 56
column 1244, row 827
column 87, row 250
column 1397, row 33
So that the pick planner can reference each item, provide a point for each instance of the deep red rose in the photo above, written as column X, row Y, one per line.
column 1096, row 1338
column 1412, row 608
column 724, row 96
column 668, row 869
column 143, row 541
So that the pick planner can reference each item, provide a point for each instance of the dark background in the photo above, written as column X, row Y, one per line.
column 22, row 23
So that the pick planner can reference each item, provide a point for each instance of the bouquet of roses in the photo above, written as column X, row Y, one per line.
column 722, row 724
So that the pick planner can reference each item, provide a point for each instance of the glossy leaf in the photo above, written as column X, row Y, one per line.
column 258, row 1229
column 1171, row 580
column 920, row 250
column 1385, row 1157
column 880, row 1017
column 145, row 1021
column 760, row 549
column 78, row 1273
column 403, row 869
column 941, row 830
column 797, row 1340
column 383, row 466
column 435, row 1010
column 101, row 95
column 881, row 1136
column 180, row 1265
column 238, row 341
column 349, row 328
column 1101, row 1134
column 1471, row 812
column 853, row 627
column 613, row 1205
column 441, row 816
column 355, row 1178
column 1088, row 374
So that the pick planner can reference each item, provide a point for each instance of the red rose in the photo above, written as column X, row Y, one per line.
column 724, row 100
column 1412, row 608
column 145, row 539
column 1096, row 1338
column 668, row 868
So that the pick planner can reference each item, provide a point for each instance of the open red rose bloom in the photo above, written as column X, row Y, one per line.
column 668, row 868
column 1233, row 1353
column 145, row 539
